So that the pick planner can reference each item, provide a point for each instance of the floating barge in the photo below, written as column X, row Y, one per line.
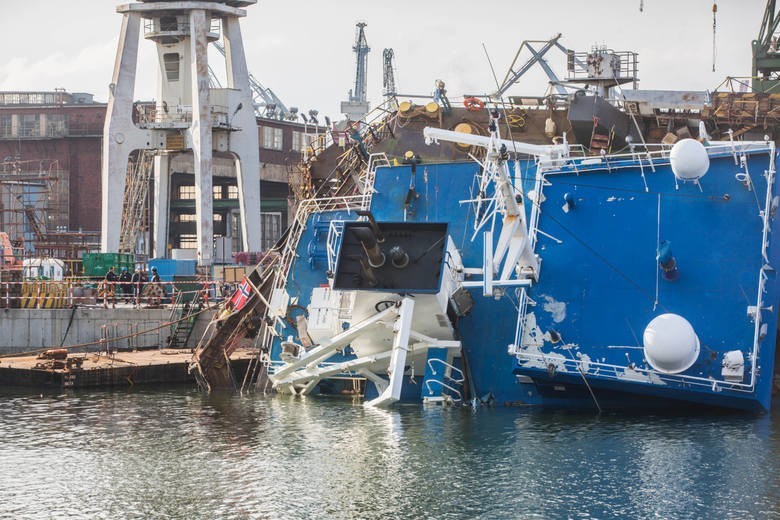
column 120, row 369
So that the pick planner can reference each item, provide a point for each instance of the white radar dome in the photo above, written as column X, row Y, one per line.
column 671, row 345
column 689, row 160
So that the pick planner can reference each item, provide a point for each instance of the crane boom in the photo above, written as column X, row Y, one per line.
column 766, row 58
column 263, row 97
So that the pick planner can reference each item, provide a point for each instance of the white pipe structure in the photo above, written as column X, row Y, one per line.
column 549, row 151
column 513, row 252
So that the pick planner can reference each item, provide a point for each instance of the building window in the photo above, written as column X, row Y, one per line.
column 56, row 125
column 6, row 125
column 171, row 62
column 187, row 192
column 272, row 138
column 217, row 191
column 299, row 141
column 30, row 125
column 188, row 241
column 232, row 192
column 169, row 23
column 185, row 217
column 270, row 229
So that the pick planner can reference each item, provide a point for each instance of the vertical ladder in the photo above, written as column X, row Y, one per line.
column 135, row 221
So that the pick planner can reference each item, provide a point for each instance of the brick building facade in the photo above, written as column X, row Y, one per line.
column 65, row 130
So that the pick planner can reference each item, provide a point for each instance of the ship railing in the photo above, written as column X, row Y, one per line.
column 335, row 231
column 275, row 364
column 375, row 160
column 288, row 253
column 627, row 373
column 652, row 155
column 373, row 122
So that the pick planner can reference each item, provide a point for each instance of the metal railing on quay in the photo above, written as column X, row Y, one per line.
column 85, row 292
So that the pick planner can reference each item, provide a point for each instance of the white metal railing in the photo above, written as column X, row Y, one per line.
column 288, row 254
column 452, row 389
column 447, row 367
column 618, row 373
column 335, row 230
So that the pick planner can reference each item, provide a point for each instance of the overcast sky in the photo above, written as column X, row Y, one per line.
column 303, row 50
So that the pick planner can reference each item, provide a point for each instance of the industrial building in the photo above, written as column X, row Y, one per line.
column 50, row 180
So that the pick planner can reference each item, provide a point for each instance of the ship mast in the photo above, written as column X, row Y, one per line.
column 513, row 252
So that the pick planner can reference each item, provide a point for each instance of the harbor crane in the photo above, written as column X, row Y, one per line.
column 537, row 56
column 766, row 56
column 357, row 105
column 388, row 75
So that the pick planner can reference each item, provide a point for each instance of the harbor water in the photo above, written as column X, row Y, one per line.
column 174, row 453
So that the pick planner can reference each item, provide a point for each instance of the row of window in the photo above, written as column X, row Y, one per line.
column 29, row 125
column 270, row 228
column 33, row 125
column 273, row 139
column 219, row 192
column 33, row 98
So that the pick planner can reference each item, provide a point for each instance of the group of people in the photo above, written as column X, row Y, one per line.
column 130, row 287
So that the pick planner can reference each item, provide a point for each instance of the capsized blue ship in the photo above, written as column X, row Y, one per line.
column 531, row 275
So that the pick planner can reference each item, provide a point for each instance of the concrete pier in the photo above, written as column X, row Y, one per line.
column 122, row 369
column 23, row 330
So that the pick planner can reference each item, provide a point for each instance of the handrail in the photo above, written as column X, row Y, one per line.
column 613, row 372
column 444, row 385
column 447, row 365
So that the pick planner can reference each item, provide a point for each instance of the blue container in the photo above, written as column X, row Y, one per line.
column 167, row 268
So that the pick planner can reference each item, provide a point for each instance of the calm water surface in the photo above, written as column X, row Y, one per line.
column 172, row 453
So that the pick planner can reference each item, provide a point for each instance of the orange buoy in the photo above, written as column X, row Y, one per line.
column 473, row 104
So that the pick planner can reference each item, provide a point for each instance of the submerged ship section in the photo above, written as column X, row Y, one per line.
column 541, row 276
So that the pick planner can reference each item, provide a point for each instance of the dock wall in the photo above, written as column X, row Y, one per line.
column 23, row 330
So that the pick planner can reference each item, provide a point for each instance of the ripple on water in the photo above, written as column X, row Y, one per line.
column 172, row 453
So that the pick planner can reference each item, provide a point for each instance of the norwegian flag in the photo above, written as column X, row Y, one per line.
column 241, row 296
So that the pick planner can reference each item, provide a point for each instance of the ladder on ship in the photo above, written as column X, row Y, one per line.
column 598, row 140
column 135, row 218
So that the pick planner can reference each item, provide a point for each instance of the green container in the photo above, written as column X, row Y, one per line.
column 98, row 264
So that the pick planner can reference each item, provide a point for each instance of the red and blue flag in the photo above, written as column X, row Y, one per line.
column 242, row 295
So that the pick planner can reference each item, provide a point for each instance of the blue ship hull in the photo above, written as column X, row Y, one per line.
column 573, row 338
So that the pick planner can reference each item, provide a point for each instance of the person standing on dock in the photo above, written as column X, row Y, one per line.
column 156, row 290
column 126, row 285
column 137, row 282
column 109, row 289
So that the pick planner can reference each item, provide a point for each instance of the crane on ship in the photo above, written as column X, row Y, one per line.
column 766, row 55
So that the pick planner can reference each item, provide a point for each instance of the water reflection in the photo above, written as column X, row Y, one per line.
column 174, row 453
